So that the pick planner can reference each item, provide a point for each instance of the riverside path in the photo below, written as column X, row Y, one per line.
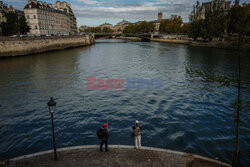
column 118, row 156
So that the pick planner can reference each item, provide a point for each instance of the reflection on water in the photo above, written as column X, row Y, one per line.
column 188, row 114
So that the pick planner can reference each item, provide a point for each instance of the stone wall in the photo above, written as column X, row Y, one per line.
column 31, row 45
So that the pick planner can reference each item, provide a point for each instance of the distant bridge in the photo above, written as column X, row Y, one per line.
column 144, row 37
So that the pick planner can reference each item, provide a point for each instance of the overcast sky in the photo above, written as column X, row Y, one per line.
column 96, row 12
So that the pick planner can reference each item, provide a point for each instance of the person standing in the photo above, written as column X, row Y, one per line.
column 103, row 135
column 137, row 134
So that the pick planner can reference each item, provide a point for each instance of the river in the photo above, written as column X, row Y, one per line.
column 190, row 110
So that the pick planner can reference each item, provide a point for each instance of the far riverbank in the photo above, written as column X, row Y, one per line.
column 130, row 38
column 180, row 39
column 214, row 44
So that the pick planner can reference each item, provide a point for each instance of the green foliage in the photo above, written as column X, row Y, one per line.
column 196, row 29
column 239, row 19
column 107, row 30
column 215, row 22
column 213, row 25
column 23, row 26
column 14, row 25
column 143, row 27
column 186, row 28
column 172, row 25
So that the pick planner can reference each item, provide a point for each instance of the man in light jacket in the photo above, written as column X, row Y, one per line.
column 137, row 134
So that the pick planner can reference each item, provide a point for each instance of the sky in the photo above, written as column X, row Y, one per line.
column 96, row 12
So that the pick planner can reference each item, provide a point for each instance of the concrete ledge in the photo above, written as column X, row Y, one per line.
column 27, row 46
column 125, row 147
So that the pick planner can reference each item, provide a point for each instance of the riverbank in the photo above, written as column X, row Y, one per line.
column 130, row 38
column 214, row 44
column 118, row 155
column 179, row 41
column 32, row 45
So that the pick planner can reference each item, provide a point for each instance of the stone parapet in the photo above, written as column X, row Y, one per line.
column 31, row 45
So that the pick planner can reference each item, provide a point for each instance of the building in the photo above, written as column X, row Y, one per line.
column 160, row 15
column 119, row 27
column 44, row 19
column 157, row 22
column 65, row 6
column 106, row 25
column 83, row 28
column 208, row 6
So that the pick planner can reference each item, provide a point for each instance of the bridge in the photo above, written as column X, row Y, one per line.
column 144, row 37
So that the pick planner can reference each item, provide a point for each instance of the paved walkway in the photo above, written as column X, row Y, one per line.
column 118, row 156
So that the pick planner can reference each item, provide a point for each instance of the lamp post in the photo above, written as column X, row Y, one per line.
column 52, row 106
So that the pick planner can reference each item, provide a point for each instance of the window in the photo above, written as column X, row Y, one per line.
column 35, row 27
column 28, row 16
column 34, row 16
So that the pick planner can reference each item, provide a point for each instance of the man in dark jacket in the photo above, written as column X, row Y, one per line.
column 103, row 135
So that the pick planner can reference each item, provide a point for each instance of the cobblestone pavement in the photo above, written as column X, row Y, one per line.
column 116, row 157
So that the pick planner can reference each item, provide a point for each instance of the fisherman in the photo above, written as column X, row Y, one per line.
column 137, row 134
column 103, row 135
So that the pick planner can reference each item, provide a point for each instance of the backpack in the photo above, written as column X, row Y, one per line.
column 100, row 133
column 137, row 131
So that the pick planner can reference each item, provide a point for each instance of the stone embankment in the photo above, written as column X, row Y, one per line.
column 31, row 45
column 213, row 44
column 130, row 38
column 177, row 41
column 118, row 155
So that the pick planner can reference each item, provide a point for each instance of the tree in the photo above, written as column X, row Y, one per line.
column 185, row 28
column 215, row 21
column 143, row 27
column 10, row 27
column 239, row 20
column 171, row 25
column 107, row 30
column 14, row 25
column 213, row 25
column 23, row 26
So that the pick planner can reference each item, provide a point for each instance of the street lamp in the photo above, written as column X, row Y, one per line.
column 52, row 106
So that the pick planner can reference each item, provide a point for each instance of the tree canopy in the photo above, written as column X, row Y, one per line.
column 171, row 25
column 143, row 27
column 239, row 20
column 14, row 25
column 217, row 21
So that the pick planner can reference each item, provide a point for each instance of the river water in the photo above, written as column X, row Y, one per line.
column 190, row 110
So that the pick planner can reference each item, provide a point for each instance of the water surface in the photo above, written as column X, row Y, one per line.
column 189, row 113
